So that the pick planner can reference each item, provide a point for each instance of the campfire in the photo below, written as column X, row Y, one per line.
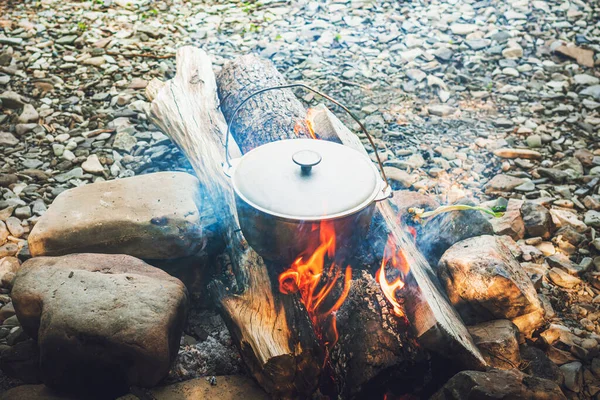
column 309, row 315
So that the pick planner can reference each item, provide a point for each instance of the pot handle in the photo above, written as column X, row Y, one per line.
column 386, row 191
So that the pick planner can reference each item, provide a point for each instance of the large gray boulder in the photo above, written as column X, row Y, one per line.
column 154, row 216
column 102, row 322
column 484, row 282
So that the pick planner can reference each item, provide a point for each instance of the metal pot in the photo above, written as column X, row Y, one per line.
column 286, row 189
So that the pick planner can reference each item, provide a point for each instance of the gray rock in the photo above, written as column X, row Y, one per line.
column 75, row 173
column 153, row 216
column 133, row 312
column 21, row 129
column 593, row 91
column 463, row 29
column 537, row 220
column 498, row 342
column 14, row 226
column 124, row 141
column 444, row 54
column 478, row 44
column 101, row 96
column 573, row 376
column 8, row 140
column 592, row 218
column 503, row 123
column 586, row 80
column 534, row 141
column 23, row 212
column 29, row 114
column 484, row 282
column 68, row 39
column 11, row 100
column 448, row 228
column 502, row 183
column 11, row 41
column 440, row 110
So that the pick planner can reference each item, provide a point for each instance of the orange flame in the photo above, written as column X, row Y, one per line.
column 395, row 257
column 310, row 116
column 307, row 276
column 308, row 123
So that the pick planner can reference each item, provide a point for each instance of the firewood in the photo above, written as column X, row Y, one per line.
column 272, row 331
column 436, row 324
column 374, row 346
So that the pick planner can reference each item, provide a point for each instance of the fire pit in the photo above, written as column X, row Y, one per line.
column 284, row 311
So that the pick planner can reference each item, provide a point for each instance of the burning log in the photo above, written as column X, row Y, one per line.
column 272, row 330
column 374, row 345
column 436, row 324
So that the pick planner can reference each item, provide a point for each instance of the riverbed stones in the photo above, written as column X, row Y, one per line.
column 484, row 282
column 102, row 322
column 154, row 216
column 373, row 56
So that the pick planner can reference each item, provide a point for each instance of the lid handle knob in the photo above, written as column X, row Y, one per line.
column 306, row 159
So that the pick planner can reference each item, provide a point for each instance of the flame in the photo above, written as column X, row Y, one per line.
column 315, row 283
column 307, row 123
column 310, row 116
column 393, row 257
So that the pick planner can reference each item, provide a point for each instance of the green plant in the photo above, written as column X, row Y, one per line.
column 337, row 37
column 278, row 37
column 254, row 28
column 82, row 26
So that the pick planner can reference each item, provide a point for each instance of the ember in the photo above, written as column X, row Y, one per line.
column 307, row 275
column 394, row 257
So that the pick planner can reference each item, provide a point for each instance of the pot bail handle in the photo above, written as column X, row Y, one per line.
column 386, row 189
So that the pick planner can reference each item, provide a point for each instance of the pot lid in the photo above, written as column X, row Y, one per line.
column 306, row 179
